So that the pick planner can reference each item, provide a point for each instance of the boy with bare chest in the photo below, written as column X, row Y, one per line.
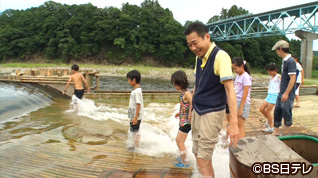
column 78, row 80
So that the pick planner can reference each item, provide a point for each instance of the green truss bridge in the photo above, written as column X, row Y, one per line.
column 301, row 20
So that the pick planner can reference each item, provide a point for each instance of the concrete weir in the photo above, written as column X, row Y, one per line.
column 54, row 78
column 57, row 79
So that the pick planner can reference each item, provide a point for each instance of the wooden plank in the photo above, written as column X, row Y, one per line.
column 44, row 79
column 264, row 148
column 282, row 151
column 250, row 150
column 45, row 82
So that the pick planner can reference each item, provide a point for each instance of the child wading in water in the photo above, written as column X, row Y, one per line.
column 136, row 106
column 78, row 80
column 180, row 82
column 243, row 86
column 270, row 100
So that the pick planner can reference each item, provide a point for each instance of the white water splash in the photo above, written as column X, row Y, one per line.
column 158, row 131
column 87, row 108
column 220, row 159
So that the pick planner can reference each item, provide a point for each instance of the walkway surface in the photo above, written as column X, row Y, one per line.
column 25, row 157
column 305, row 118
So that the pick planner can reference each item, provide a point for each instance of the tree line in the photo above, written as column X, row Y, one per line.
column 131, row 33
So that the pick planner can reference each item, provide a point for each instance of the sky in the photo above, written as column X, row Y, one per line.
column 182, row 10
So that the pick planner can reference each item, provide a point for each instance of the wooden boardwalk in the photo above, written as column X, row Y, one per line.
column 38, row 156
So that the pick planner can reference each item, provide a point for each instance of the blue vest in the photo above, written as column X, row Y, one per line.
column 210, row 95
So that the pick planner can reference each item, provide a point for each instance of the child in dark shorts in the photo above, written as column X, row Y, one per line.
column 180, row 82
column 78, row 80
column 136, row 105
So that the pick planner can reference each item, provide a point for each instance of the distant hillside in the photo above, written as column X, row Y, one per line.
column 315, row 53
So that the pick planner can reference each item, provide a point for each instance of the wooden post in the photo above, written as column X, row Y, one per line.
column 65, row 72
column 87, row 78
column 33, row 73
column 42, row 72
column 49, row 72
column 27, row 72
column 97, row 82
column 59, row 73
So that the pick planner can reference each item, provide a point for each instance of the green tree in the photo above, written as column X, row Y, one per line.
column 214, row 19
column 236, row 11
column 315, row 63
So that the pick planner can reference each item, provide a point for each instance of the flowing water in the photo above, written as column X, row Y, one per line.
column 17, row 100
column 47, row 126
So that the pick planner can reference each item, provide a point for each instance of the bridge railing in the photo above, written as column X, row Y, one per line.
column 272, row 23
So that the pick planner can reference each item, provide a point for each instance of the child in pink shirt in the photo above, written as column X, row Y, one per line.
column 243, row 86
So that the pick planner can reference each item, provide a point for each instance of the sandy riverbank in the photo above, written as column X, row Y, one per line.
column 304, row 118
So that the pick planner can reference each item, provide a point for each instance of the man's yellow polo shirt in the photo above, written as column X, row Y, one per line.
column 222, row 64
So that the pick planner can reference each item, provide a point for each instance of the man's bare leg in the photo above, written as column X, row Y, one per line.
column 206, row 168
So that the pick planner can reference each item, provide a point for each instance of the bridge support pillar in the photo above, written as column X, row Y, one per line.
column 306, row 54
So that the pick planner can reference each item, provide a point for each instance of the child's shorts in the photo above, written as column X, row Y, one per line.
column 135, row 128
column 271, row 98
column 246, row 109
column 186, row 128
column 79, row 93
column 297, row 89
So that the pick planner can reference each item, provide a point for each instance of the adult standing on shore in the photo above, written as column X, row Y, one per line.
column 213, row 88
column 286, row 96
